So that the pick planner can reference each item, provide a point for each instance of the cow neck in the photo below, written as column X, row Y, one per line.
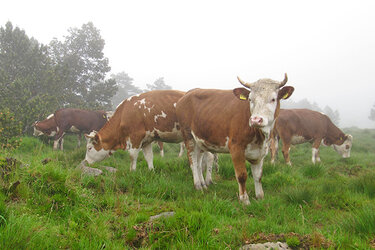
column 109, row 134
column 333, row 134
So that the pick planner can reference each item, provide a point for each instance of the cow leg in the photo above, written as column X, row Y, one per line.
column 61, row 143
column 59, row 135
column 208, row 161
column 200, row 155
column 193, row 152
column 182, row 146
column 257, row 171
column 78, row 140
column 315, row 151
column 216, row 161
column 56, row 144
column 147, row 152
column 133, row 152
column 285, row 150
column 274, row 146
column 161, row 146
column 239, row 164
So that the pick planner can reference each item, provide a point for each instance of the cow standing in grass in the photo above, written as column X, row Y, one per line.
column 70, row 120
column 236, row 121
column 136, row 123
column 296, row 126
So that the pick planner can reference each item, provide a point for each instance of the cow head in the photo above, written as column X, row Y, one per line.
column 344, row 146
column 94, row 149
column 264, row 98
column 37, row 132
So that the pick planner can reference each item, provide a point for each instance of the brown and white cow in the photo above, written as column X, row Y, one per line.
column 136, row 123
column 70, row 120
column 296, row 126
column 236, row 121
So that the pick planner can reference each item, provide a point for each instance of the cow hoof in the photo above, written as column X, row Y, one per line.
column 209, row 182
column 198, row 186
column 245, row 202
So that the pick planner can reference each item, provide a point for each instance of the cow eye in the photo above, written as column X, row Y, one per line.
column 89, row 148
column 273, row 100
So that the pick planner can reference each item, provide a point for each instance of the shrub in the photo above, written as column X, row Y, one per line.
column 10, row 130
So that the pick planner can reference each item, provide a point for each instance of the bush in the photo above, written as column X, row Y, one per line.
column 10, row 130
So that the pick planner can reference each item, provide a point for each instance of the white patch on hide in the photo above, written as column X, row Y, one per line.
column 163, row 115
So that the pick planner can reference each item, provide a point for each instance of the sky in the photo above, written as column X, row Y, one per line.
column 327, row 48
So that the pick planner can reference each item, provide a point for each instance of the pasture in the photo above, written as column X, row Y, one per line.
column 49, row 206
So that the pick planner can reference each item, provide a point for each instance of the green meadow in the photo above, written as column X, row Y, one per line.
column 50, row 204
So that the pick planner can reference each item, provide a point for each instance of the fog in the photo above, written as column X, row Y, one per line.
column 327, row 48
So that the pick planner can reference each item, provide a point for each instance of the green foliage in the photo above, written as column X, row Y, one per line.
column 126, row 88
column 10, row 130
column 293, row 242
column 36, row 80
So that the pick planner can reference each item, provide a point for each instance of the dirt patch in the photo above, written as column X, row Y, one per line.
column 315, row 240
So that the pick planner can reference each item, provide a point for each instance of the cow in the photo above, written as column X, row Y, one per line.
column 136, row 123
column 237, row 121
column 70, row 120
column 296, row 126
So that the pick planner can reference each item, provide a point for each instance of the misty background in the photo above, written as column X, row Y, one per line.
column 327, row 48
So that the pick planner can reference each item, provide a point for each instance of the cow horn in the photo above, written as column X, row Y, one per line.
column 284, row 81
column 247, row 85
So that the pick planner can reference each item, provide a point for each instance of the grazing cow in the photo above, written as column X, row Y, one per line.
column 296, row 126
column 136, row 123
column 236, row 121
column 70, row 120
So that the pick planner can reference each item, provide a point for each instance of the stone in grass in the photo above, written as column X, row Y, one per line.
column 110, row 169
column 90, row 171
column 267, row 245
column 162, row 215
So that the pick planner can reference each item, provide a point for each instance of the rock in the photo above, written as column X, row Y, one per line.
column 164, row 215
column 90, row 171
column 110, row 169
column 267, row 245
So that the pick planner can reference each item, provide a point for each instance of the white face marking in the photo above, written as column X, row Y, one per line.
column 263, row 103
column 163, row 115
column 37, row 132
column 92, row 155
column 174, row 104
column 343, row 149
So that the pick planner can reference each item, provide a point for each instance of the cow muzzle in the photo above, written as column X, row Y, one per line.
column 257, row 121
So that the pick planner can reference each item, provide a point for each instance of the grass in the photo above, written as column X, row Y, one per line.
column 52, row 205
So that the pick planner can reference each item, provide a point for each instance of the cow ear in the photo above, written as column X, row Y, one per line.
column 285, row 92
column 241, row 93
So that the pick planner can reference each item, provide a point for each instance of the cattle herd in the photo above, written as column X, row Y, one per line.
column 244, row 122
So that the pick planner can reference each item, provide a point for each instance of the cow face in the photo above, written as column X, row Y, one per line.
column 94, row 149
column 345, row 147
column 37, row 132
column 264, row 99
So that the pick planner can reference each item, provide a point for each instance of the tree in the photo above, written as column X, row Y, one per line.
column 82, row 67
column 26, row 76
column 126, row 88
column 333, row 115
column 158, row 84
